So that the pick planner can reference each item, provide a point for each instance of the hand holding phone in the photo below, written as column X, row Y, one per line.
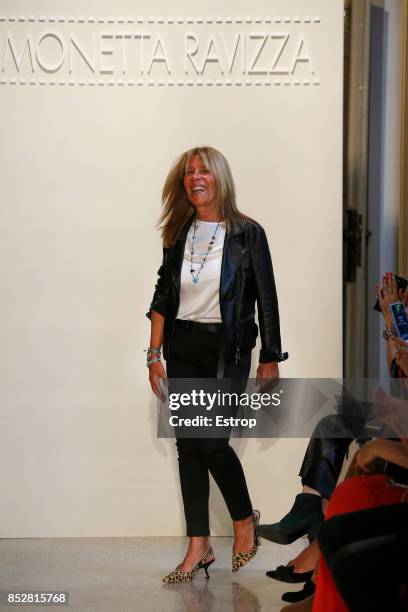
column 400, row 319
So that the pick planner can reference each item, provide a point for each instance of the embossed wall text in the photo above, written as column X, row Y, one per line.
column 159, row 51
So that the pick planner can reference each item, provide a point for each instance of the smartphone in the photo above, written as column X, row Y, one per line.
column 400, row 319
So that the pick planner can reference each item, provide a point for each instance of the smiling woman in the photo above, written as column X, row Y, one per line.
column 206, row 170
column 199, row 184
column 216, row 266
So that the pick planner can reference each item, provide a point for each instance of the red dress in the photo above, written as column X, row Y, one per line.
column 359, row 493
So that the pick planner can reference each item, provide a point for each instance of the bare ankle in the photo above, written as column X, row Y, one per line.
column 243, row 528
column 198, row 543
column 244, row 521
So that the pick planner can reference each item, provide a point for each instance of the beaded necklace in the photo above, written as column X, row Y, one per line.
column 195, row 274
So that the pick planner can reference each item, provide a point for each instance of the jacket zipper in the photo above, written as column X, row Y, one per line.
column 237, row 351
column 221, row 270
column 248, row 318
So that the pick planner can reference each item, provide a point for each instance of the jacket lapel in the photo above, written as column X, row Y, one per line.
column 231, row 260
column 178, row 255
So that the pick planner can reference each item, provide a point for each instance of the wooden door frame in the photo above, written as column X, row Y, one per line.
column 358, row 19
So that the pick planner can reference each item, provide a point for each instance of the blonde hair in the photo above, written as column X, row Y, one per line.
column 177, row 210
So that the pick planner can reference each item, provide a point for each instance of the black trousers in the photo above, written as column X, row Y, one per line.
column 367, row 553
column 194, row 354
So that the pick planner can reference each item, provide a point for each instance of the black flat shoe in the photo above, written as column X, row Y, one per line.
column 305, row 516
column 285, row 573
column 295, row 596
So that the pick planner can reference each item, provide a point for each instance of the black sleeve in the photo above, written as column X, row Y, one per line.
column 161, row 290
column 267, row 301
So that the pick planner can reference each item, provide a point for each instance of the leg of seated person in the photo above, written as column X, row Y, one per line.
column 320, row 471
column 325, row 455
column 340, row 529
column 369, row 573
column 307, row 559
column 343, row 529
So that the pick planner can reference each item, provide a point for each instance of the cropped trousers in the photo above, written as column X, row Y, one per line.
column 195, row 354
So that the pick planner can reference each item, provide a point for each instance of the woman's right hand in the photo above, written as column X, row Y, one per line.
column 157, row 373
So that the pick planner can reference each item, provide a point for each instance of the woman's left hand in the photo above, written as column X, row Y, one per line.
column 267, row 371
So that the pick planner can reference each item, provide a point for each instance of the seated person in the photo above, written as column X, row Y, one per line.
column 365, row 552
column 324, row 455
column 366, row 545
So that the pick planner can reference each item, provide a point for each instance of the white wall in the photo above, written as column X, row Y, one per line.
column 81, row 168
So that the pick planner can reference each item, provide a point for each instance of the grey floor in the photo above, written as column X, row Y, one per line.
column 124, row 575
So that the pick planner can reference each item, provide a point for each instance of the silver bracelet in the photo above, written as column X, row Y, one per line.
column 149, row 362
column 387, row 333
column 152, row 350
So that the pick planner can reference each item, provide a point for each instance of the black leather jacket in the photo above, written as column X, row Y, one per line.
column 246, row 278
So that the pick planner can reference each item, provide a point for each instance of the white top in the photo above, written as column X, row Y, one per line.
column 200, row 301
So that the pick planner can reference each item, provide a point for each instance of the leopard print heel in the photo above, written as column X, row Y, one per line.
column 239, row 559
column 177, row 576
